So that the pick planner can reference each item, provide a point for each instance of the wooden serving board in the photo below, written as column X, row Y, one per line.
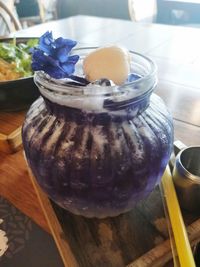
column 138, row 238
column 10, row 131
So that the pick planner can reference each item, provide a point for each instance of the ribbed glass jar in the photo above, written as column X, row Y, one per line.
column 97, row 150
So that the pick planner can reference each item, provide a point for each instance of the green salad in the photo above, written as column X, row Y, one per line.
column 16, row 58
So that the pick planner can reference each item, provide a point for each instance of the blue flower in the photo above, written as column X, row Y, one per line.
column 46, row 42
column 52, row 56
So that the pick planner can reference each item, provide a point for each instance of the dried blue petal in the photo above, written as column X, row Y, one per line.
column 61, row 42
column 62, row 55
column 73, row 59
column 52, row 56
column 68, row 68
column 56, row 73
column 46, row 42
column 36, row 66
column 43, row 59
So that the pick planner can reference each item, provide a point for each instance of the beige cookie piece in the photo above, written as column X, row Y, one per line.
column 110, row 62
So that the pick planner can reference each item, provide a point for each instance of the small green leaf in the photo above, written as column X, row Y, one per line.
column 19, row 54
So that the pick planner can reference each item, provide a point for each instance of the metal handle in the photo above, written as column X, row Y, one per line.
column 178, row 146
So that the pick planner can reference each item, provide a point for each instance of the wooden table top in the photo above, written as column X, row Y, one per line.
column 177, row 54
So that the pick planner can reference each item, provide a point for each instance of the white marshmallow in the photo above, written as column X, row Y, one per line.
column 110, row 62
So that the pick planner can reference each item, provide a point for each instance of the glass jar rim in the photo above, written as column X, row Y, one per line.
column 95, row 97
column 62, row 85
column 152, row 64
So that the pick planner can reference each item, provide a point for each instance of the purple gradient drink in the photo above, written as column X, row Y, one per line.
column 97, row 150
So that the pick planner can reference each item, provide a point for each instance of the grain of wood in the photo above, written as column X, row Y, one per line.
column 161, row 254
column 157, row 257
column 10, row 121
column 54, row 225
column 186, row 133
column 15, row 140
column 10, row 131
column 183, row 104
column 15, row 185
column 4, row 146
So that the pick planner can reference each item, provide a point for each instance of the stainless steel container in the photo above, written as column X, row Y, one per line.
column 186, row 176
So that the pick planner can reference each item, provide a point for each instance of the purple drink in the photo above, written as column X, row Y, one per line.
column 96, row 151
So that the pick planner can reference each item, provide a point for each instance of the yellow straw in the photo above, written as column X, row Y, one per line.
column 171, row 236
column 178, row 227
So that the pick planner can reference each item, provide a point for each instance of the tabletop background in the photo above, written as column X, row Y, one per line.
column 176, row 53
column 174, row 49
